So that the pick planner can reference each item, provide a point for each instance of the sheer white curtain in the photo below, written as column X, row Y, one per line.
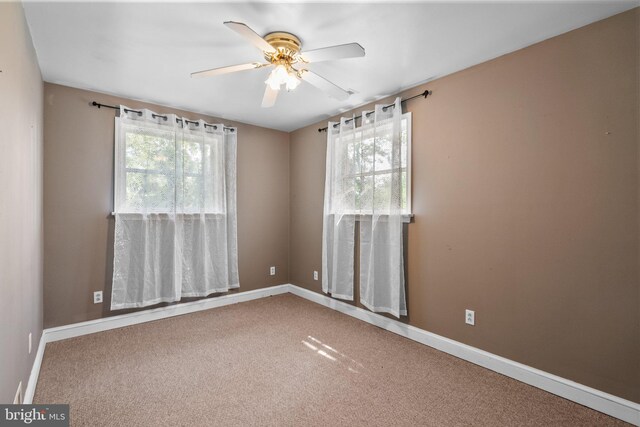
column 364, row 181
column 381, row 240
column 175, row 208
column 338, row 231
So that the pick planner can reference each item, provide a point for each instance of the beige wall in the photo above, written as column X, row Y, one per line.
column 525, row 195
column 78, row 186
column 20, row 200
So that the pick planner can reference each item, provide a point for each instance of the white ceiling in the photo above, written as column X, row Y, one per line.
column 146, row 51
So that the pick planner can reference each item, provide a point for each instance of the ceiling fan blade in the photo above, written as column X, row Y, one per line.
column 250, row 35
column 230, row 69
column 324, row 85
column 269, row 98
column 349, row 50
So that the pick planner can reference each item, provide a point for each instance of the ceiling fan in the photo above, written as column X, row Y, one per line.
column 282, row 50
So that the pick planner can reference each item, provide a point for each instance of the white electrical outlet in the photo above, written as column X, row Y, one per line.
column 272, row 271
column 315, row 275
column 97, row 297
column 29, row 342
column 470, row 317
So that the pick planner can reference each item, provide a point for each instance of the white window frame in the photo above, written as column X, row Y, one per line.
column 407, row 213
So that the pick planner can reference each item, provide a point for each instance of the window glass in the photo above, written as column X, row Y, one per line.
column 162, row 171
column 364, row 158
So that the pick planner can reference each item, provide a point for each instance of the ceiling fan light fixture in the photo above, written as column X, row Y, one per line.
column 283, row 75
column 278, row 77
column 292, row 82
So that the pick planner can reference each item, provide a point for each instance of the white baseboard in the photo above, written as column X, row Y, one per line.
column 17, row 399
column 587, row 396
column 35, row 372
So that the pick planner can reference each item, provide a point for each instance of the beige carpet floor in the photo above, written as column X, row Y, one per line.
column 283, row 361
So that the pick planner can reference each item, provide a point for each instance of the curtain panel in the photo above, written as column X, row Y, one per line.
column 366, row 176
column 175, row 209
column 338, row 230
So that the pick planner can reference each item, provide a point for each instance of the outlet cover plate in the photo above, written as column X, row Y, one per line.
column 272, row 271
column 470, row 317
column 97, row 297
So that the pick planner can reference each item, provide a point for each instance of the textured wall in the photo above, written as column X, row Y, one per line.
column 78, row 186
column 525, row 195
column 20, row 200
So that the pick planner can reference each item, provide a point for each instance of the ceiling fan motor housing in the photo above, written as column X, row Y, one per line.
column 287, row 47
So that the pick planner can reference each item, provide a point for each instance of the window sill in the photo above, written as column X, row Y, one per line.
column 406, row 218
column 166, row 214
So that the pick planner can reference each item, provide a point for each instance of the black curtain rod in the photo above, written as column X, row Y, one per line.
column 423, row 94
column 126, row 110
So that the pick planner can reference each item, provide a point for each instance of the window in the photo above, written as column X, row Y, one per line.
column 175, row 229
column 367, row 180
column 365, row 169
column 163, row 171
column 149, row 163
